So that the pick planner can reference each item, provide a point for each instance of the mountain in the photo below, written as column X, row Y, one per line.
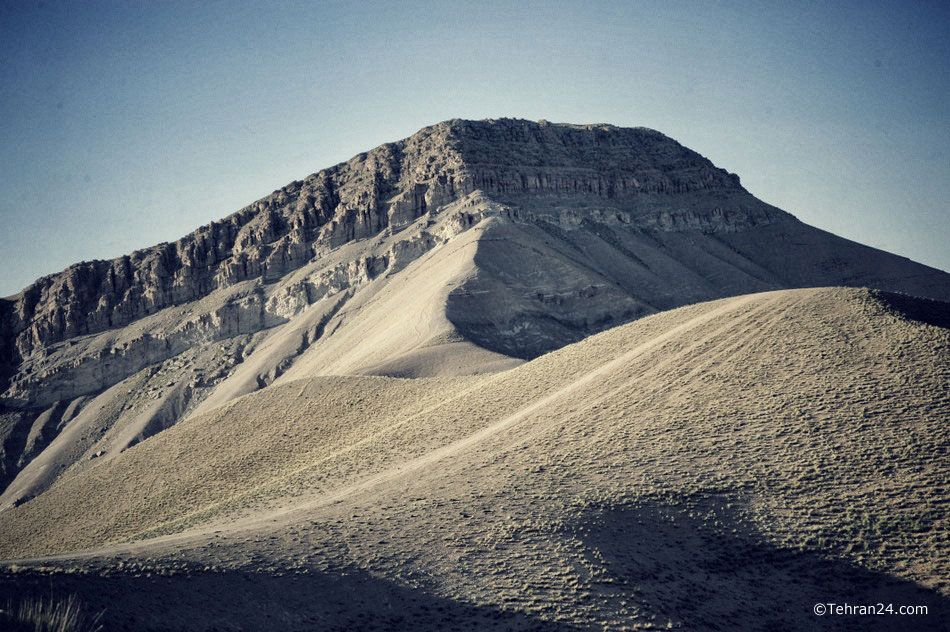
column 724, row 465
column 465, row 249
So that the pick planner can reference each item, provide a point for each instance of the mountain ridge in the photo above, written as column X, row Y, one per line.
column 466, row 248
column 328, row 200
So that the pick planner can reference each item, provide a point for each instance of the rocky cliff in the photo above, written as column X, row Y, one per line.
column 539, row 234
column 388, row 187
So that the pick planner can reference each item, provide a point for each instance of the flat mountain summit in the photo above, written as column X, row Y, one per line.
column 251, row 379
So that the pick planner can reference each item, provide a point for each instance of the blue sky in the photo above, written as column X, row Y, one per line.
column 126, row 124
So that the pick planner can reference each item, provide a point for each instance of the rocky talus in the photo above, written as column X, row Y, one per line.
column 495, row 240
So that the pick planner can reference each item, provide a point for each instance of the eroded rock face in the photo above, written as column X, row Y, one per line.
column 389, row 186
column 579, row 228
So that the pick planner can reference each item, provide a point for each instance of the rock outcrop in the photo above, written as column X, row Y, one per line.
column 539, row 234
column 388, row 187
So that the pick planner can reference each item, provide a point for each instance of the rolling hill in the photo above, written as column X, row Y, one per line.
column 468, row 248
column 724, row 465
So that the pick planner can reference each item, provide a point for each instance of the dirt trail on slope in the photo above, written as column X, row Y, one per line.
column 689, row 470
column 269, row 518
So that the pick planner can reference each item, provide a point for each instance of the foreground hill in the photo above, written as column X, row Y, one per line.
column 720, row 466
column 465, row 249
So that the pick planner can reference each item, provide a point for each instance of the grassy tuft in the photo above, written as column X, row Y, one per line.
column 48, row 615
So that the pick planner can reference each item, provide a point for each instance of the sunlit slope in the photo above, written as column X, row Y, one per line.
column 397, row 326
column 809, row 420
column 393, row 325
column 218, row 460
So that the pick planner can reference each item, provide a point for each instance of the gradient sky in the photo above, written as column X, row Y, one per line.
column 130, row 123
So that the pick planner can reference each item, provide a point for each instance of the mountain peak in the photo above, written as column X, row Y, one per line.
column 383, row 189
column 566, row 179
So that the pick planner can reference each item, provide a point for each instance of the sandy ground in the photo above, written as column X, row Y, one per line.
column 722, row 466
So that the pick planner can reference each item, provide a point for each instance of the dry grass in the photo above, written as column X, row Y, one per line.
column 49, row 615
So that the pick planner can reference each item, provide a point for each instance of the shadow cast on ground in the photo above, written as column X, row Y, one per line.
column 689, row 564
column 246, row 601
column 699, row 568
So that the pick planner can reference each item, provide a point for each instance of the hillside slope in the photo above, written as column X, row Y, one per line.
column 467, row 248
column 691, row 469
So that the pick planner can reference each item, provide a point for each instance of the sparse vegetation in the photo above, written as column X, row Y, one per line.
column 48, row 614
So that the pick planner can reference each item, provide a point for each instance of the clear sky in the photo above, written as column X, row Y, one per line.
column 124, row 124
